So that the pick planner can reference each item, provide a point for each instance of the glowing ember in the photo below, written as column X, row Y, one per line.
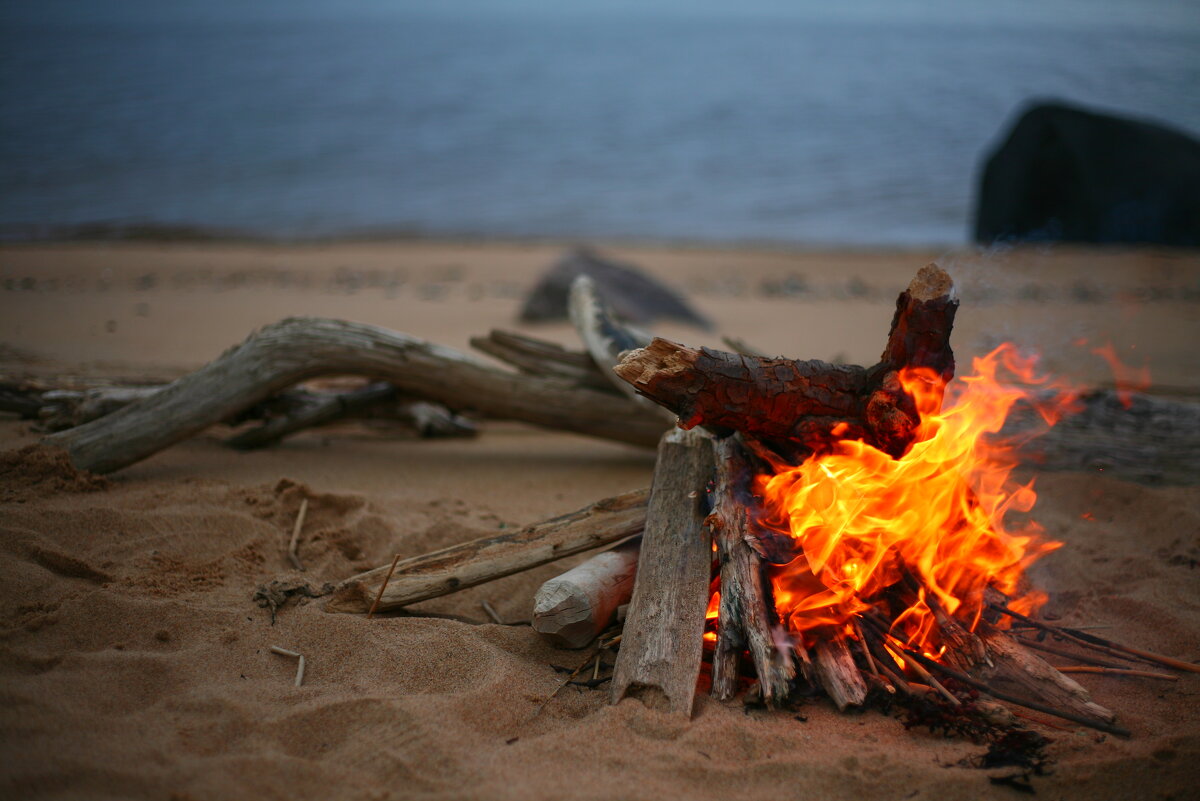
column 865, row 520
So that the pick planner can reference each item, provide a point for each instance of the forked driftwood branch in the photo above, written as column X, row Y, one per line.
column 300, row 348
column 486, row 559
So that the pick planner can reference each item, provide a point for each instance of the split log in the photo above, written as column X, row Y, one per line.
column 837, row 672
column 570, row 610
column 300, row 348
column 801, row 401
column 662, row 643
column 488, row 558
column 743, row 621
column 1018, row 672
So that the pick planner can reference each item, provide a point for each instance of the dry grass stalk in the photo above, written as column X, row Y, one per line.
column 275, row 649
column 487, row 607
column 383, row 586
column 293, row 556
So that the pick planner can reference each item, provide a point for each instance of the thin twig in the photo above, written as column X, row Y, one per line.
column 558, row 689
column 1108, row 671
column 1046, row 647
column 862, row 644
column 383, row 586
column 293, row 556
column 275, row 649
column 492, row 613
column 1099, row 643
column 929, row 678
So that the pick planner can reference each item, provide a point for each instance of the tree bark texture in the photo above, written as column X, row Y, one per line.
column 802, row 401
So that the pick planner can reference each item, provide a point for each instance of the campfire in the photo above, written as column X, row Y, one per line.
column 811, row 528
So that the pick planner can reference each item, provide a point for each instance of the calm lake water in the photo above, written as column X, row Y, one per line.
column 319, row 119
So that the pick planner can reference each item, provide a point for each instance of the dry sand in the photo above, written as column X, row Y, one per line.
column 134, row 663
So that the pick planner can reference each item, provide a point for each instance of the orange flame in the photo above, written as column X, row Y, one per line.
column 865, row 520
column 1128, row 379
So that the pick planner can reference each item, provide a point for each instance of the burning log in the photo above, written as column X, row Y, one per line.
column 743, row 621
column 803, row 401
column 570, row 610
column 662, row 643
column 488, row 558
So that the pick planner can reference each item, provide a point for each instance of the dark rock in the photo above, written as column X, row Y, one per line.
column 633, row 295
column 1072, row 175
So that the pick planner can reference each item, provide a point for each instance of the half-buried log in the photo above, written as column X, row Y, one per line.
column 570, row 610
column 662, row 642
column 488, row 558
column 802, row 401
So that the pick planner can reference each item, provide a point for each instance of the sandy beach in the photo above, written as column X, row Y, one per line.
column 134, row 662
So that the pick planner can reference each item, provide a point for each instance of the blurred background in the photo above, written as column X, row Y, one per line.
column 794, row 122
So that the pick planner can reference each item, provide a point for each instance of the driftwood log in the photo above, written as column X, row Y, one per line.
column 837, row 673
column 570, row 610
column 802, row 401
column 662, row 642
column 300, row 348
column 486, row 559
column 744, row 615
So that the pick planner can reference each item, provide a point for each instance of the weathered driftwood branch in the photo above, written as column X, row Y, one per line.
column 1132, row 437
column 538, row 357
column 318, row 410
column 377, row 401
column 570, row 610
column 662, row 643
column 837, row 672
column 801, row 401
column 1019, row 672
column 300, row 348
column 743, row 621
column 488, row 558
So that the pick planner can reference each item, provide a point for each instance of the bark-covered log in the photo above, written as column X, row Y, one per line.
column 570, row 610
column 488, row 558
column 743, row 621
column 300, row 348
column 662, row 643
column 802, row 401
